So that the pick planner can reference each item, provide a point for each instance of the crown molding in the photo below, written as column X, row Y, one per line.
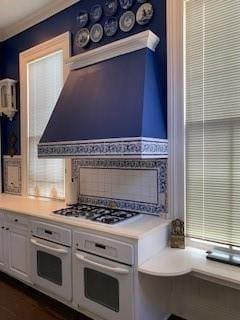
column 34, row 18
column 145, row 39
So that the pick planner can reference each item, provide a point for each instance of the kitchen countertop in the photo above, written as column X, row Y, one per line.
column 176, row 262
column 137, row 228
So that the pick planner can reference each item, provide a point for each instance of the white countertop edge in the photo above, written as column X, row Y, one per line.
column 88, row 225
column 164, row 274
column 189, row 261
column 42, row 209
column 216, row 276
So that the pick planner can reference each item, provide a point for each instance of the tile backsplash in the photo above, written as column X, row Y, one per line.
column 118, row 184
column 137, row 185
column 12, row 175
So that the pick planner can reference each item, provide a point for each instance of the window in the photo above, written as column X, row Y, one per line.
column 212, row 120
column 42, row 74
column 44, row 82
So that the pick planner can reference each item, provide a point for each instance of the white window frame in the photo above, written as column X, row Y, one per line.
column 1, row 163
column 176, row 120
column 61, row 42
column 175, row 97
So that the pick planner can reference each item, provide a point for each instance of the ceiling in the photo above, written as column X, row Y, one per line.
column 13, row 11
column 16, row 16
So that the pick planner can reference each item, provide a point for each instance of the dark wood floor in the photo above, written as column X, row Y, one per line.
column 18, row 302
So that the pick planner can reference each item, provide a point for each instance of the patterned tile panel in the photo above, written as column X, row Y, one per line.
column 160, row 165
column 12, row 175
column 123, row 148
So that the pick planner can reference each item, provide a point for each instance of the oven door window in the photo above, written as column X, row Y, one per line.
column 49, row 267
column 102, row 289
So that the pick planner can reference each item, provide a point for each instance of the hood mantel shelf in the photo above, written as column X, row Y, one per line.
column 111, row 104
column 145, row 39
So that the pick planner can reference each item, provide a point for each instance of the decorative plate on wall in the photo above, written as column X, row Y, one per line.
column 126, row 4
column 144, row 13
column 82, row 18
column 111, row 26
column 110, row 7
column 96, row 13
column 96, row 32
column 82, row 38
column 127, row 21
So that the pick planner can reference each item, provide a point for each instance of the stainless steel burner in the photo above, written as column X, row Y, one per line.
column 99, row 214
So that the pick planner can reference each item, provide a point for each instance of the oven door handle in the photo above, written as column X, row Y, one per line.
column 96, row 264
column 40, row 245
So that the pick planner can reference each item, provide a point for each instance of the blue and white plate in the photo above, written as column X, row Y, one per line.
column 110, row 7
column 82, row 38
column 126, row 4
column 141, row 1
column 111, row 26
column 96, row 13
column 127, row 21
column 96, row 32
column 82, row 18
column 144, row 14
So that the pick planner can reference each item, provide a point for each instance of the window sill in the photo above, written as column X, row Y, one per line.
column 176, row 262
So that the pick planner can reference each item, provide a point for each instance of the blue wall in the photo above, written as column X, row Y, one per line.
column 66, row 21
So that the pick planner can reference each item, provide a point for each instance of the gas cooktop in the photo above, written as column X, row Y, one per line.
column 98, row 214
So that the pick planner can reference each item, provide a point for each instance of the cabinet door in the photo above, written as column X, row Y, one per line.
column 2, row 244
column 18, row 253
column 2, row 251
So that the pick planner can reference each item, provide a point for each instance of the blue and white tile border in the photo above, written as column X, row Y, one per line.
column 12, row 162
column 120, row 148
column 160, row 165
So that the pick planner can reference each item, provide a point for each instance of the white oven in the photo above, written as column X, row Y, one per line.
column 51, row 259
column 103, row 273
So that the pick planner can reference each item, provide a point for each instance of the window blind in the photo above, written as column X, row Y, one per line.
column 212, row 120
column 45, row 80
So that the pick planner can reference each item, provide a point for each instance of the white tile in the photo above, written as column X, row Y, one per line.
column 134, row 185
column 13, row 176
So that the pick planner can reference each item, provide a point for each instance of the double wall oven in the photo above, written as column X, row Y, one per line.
column 51, row 257
column 102, row 270
column 103, row 276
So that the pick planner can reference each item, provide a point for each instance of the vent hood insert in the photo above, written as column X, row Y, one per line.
column 110, row 105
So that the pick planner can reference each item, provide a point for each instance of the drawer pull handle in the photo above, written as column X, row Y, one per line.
column 15, row 220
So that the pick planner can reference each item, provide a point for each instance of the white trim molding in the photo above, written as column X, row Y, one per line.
column 61, row 42
column 1, row 163
column 118, row 147
column 175, row 67
column 145, row 39
column 37, row 17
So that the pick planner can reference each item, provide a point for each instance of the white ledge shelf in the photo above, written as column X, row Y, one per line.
column 145, row 39
column 176, row 262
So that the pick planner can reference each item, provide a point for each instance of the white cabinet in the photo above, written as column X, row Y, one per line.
column 2, row 247
column 14, row 247
column 18, row 252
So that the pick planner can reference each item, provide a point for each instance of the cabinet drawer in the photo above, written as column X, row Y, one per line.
column 17, row 220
